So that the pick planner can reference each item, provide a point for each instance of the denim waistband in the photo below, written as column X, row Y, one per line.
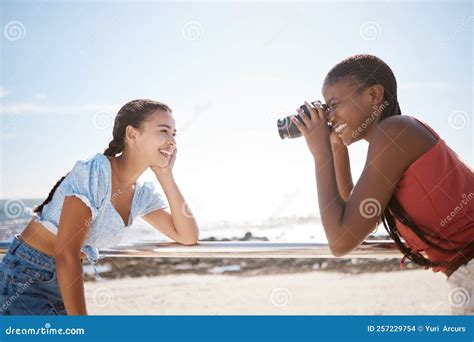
column 25, row 252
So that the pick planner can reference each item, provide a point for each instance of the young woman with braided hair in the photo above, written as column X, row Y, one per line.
column 90, row 207
column 412, row 181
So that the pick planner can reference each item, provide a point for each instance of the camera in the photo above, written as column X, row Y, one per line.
column 287, row 129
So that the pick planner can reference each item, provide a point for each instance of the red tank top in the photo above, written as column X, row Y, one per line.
column 437, row 193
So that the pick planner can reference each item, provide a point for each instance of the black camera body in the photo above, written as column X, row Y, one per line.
column 287, row 129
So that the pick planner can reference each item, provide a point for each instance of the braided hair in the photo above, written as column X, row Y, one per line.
column 133, row 113
column 368, row 70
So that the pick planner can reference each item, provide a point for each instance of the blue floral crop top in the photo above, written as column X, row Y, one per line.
column 91, row 181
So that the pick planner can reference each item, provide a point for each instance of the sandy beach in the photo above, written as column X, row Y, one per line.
column 411, row 292
column 259, row 286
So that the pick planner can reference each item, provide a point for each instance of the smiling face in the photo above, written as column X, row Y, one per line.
column 352, row 108
column 156, row 142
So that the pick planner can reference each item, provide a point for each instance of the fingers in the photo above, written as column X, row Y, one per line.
column 299, row 125
column 303, row 117
column 307, row 123
column 321, row 112
column 313, row 111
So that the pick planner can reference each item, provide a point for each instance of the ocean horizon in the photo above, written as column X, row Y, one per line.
column 16, row 213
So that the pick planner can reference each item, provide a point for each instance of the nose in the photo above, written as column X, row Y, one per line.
column 331, row 117
column 172, row 141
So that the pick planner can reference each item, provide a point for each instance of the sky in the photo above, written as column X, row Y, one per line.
column 229, row 70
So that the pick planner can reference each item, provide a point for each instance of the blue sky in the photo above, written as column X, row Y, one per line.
column 228, row 70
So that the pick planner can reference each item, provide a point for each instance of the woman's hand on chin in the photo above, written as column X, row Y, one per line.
column 164, row 171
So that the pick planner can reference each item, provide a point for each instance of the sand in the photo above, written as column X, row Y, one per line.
column 411, row 292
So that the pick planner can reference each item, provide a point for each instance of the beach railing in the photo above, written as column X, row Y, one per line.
column 242, row 249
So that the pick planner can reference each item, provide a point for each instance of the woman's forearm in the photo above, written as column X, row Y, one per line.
column 183, row 219
column 331, row 203
column 343, row 169
column 71, row 284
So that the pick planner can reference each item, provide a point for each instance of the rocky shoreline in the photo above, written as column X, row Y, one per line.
column 116, row 268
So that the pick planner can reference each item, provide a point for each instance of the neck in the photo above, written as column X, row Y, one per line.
column 128, row 168
column 369, row 132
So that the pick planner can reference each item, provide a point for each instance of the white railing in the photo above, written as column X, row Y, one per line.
column 247, row 249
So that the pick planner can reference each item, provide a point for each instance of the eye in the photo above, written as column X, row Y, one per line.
column 166, row 131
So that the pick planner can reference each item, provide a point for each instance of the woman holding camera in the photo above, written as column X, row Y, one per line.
column 412, row 180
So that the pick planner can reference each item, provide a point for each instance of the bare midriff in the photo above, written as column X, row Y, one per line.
column 40, row 238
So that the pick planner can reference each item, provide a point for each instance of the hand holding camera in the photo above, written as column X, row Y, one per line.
column 311, row 122
column 288, row 130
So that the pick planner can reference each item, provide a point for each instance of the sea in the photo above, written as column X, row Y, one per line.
column 16, row 213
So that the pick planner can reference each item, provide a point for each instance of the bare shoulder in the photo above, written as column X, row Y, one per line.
column 401, row 137
column 408, row 126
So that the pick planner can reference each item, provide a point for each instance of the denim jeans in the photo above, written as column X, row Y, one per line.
column 28, row 282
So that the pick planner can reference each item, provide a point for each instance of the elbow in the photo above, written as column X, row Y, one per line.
column 339, row 249
column 188, row 241
column 343, row 243
column 190, row 238
column 337, row 252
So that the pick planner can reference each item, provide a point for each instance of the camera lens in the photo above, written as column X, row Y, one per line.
column 287, row 129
